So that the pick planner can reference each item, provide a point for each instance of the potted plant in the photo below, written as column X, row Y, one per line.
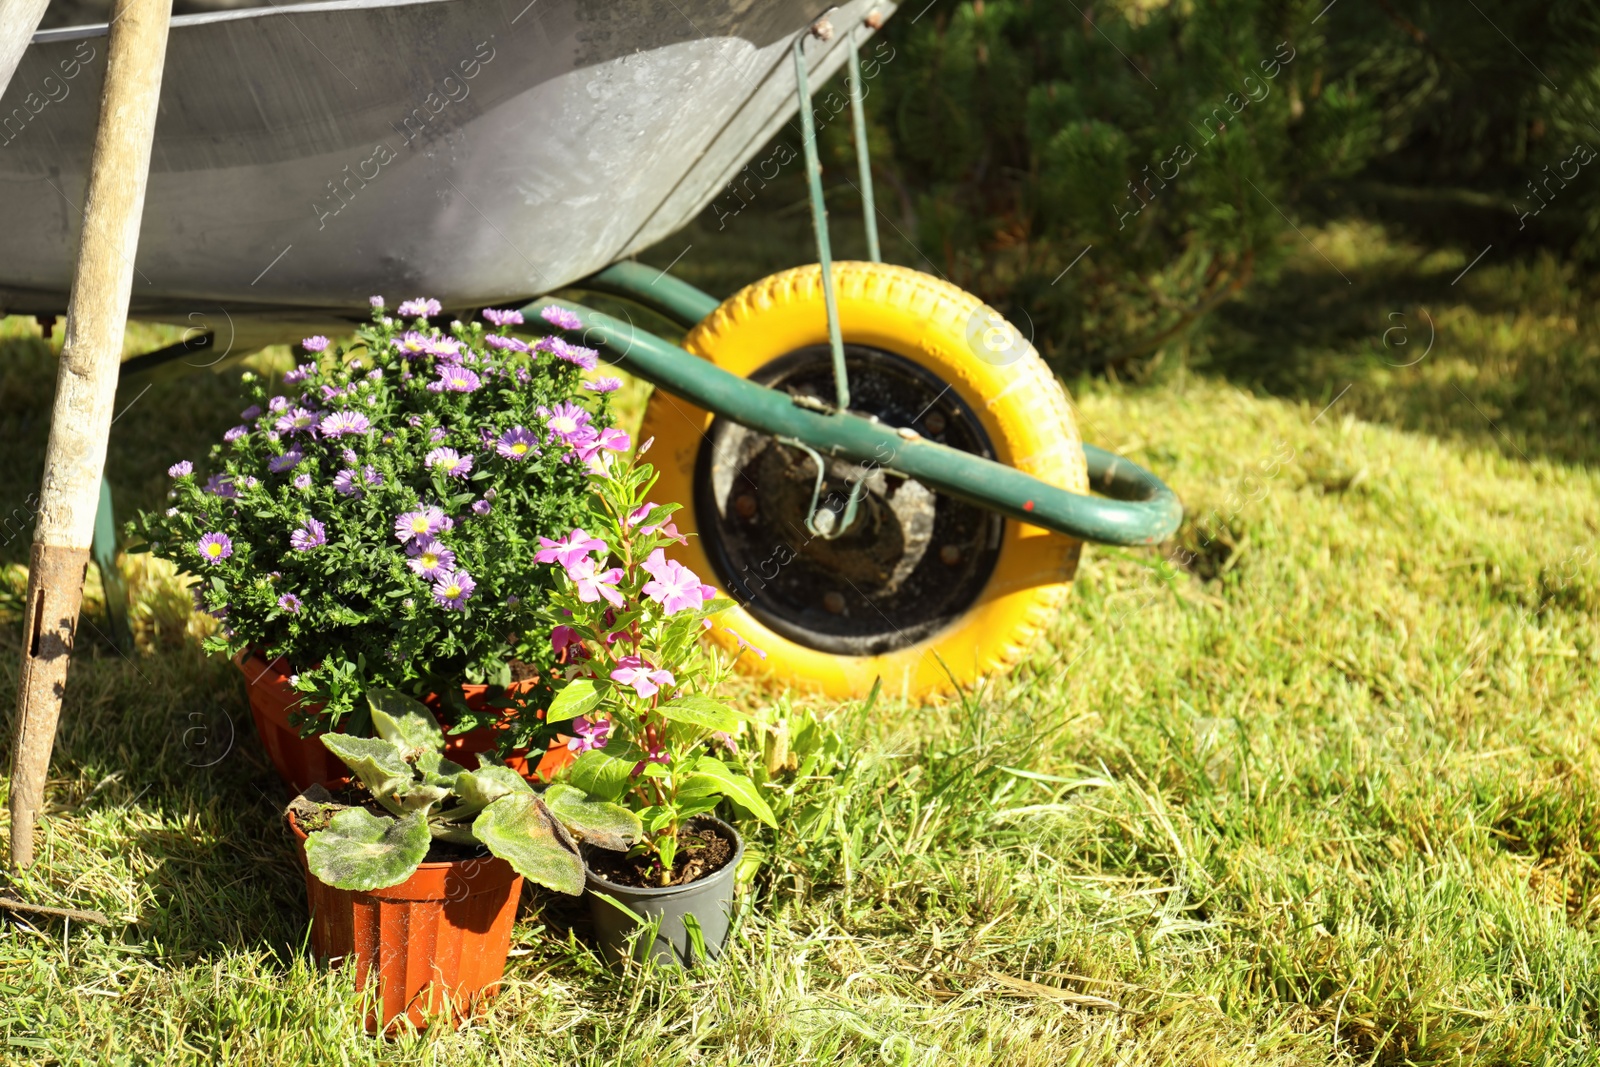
column 371, row 524
column 638, row 706
column 417, row 877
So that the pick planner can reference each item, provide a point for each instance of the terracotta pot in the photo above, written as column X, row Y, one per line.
column 437, row 940
column 303, row 761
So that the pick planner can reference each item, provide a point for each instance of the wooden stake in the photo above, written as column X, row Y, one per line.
column 86, row 387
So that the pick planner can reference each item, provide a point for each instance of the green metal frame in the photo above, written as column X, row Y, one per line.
column 1140, row 509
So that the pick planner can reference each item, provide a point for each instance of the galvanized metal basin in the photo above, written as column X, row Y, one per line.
column 478, row 151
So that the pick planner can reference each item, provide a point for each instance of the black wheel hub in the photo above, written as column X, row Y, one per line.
column 908, row 564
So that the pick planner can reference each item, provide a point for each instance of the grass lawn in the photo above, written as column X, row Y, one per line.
column 1314, row 784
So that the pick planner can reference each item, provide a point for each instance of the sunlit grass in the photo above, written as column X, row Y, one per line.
column 1319, row 789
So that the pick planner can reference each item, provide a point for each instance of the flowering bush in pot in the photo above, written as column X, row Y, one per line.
column 418, row 875
column 373, row 519
column 638, row 705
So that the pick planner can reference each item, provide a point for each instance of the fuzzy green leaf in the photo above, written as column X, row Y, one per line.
column 484, row 786
column 579, row 696
column 520, row 830
column 734, row 786
column 362, row 851
column 703, row 712
column 594, row 820
column 405, row 722
column 378, row 763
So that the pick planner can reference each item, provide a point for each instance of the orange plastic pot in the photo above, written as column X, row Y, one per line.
column 303, row 761
column 436, row 942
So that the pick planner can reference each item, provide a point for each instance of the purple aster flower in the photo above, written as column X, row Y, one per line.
column 425, row 307
column 587, row 358
column 494, row 340
column 454, row 379
column 514, row 444
column 278, row 403
column 589, row 733
column 481, row 507
column 310, row 534
column 290, row 603
column 330, row 392
column 236, row 432
column 566, row 420
column 344, row 483
column 286, row 462
column 449, row 461
column 375, row 301
column 251, row 412
column 302, row 481
column 446, row 348
column 424, row 522
column 181, row 469
column 250, row 481
column 558, row 316
column 371, row 475
column 342, row 422
column 214, row 547
column 607, row 384
column 503, row 318
column 437, row 434
column 413, row 421
column 413, row 345
column 430, row 558
column 453, row 589
column 221, row 485
column 295, row 420
column 299, row 374
column 349, row 456
column 314, row 344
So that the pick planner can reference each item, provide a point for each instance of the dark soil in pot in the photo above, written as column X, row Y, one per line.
column 701, row 897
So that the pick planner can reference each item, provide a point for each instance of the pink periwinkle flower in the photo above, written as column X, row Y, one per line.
column 743, row 644
column 673, row 585
column 589, row 733
column 647, row 681
column 569, row 549
column 592, row 585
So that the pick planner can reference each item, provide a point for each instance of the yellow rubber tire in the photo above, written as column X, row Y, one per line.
column 1018, row 400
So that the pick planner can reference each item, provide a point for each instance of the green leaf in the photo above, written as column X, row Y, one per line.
column 362, row 851
column 520, row 830
column 376, row 762
column 605, row 773
column 484, row 786
column 421, row 796
column 735, row 786
column 703, row 712
column 579, row 696
column 597, row 821
column 406, row 722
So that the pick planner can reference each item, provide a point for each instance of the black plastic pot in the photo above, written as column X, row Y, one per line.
column 709, row 901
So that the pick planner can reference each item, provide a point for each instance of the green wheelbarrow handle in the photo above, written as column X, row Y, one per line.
column 1140, row 509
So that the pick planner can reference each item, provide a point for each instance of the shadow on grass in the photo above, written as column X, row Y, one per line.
column 1502, row 355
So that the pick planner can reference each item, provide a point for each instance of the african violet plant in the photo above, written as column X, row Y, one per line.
column 627, row 627
column 429, row 799
column 373, row 519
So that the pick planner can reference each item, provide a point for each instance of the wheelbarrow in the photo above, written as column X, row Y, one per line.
column 878, row 469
